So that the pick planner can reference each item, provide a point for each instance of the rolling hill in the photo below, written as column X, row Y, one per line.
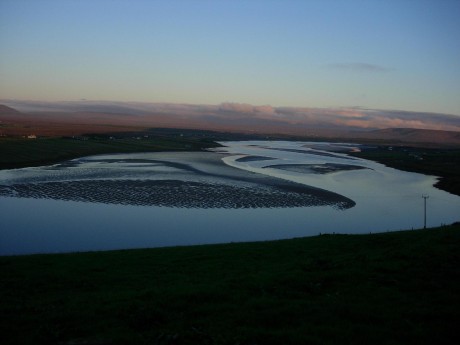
column 79, row 118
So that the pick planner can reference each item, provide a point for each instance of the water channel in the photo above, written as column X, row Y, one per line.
column 244, row 191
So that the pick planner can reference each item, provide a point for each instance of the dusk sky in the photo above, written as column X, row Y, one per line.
column 402, row 54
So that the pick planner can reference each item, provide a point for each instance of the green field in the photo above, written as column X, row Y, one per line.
column 18, row 153
column 390, row 288
column 444, row 163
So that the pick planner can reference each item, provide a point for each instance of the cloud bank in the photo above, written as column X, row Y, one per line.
column 256, row 117
column 358, row 67
column 246, row 108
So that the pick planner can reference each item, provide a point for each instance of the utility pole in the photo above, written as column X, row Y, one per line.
column 424, row 196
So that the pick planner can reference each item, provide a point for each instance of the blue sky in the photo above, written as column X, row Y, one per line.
column 402, row 54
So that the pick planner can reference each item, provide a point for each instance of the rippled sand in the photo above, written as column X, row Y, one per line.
column 189, row 180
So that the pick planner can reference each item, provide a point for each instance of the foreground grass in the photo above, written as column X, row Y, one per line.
column 391, row 288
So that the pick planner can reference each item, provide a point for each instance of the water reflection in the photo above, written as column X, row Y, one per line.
column 338, row 194
column 191, row 180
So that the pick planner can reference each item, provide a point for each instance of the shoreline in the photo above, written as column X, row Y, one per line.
column 171, row 179
column 197, row 189
column 297, row 291
column 23, row 153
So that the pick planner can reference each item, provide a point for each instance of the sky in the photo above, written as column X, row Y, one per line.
column 396, row 55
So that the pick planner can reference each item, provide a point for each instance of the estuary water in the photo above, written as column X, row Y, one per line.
column 244, row 191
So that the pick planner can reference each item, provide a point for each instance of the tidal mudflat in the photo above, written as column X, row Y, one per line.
column 189, row 180
column 245, row 191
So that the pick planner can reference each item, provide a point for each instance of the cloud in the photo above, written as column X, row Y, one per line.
column 358, row 67
column 395, row 119
column 247, row 115
column 246, row 108
column 369, row 118
column 352, row 113
column 408, row 119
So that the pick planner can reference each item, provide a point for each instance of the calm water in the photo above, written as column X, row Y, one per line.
column 243, row 192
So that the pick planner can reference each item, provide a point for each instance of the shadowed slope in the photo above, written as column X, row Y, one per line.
column 394, row 288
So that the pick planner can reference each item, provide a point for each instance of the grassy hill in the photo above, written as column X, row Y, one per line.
column 389, row 288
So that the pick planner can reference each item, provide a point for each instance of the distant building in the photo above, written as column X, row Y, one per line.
column 32, row 136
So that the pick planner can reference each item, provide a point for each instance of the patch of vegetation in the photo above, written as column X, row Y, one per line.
column 389, row 288
column 444, row 163
column 17, row 153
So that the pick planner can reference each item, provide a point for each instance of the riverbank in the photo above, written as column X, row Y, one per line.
column 390, row 288
column 444, row 163
column 21, row 153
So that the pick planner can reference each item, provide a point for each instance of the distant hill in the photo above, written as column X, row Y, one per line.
column 5, row 110
column 351, row 124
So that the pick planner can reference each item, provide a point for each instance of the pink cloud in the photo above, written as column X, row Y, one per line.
column 260, row 115
column 247, row 108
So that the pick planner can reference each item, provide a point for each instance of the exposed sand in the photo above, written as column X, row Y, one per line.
column 190, row 180
column 316, row 168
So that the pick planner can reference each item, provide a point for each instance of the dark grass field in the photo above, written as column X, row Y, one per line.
column 389, row 288
column 444, row 163
column 18, row 153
